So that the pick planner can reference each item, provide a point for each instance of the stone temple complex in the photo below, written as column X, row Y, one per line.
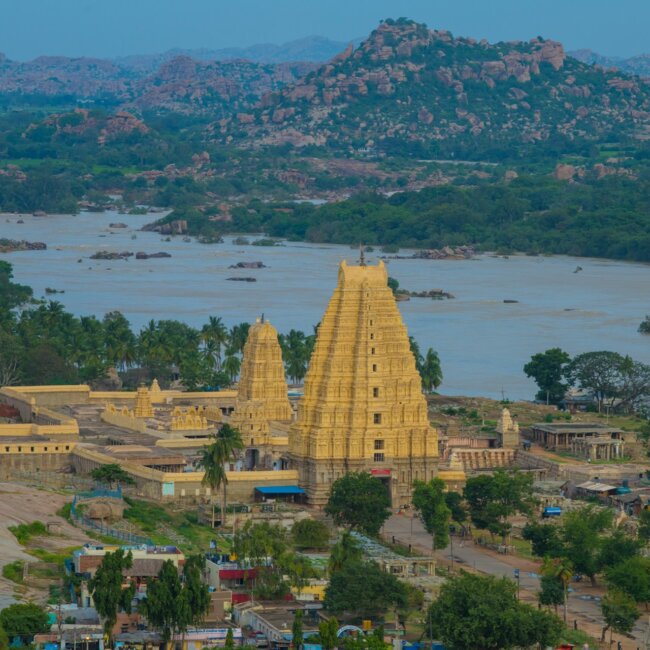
column 363, row 408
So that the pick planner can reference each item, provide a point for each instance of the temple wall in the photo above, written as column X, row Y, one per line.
column 124, row 421
column 171, row 486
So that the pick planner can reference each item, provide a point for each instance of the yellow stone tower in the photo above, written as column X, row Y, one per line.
column 363, row 407
column 262, row 394
column 143, row 408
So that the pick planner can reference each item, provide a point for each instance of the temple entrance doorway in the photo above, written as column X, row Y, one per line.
column 252, row 458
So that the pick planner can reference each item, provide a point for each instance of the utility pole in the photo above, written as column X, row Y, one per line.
column 451, row 543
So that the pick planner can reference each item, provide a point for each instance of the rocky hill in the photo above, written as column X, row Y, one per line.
column 408, row 89
column 181, row 84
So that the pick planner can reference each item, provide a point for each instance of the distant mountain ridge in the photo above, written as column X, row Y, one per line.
column 639, row 64
column 313, row 49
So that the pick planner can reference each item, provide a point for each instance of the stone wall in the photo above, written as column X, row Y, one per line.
column 15, row 466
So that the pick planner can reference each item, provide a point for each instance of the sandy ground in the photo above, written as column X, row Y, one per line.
column 22, row 505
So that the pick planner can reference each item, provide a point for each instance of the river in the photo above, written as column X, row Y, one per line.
column 483, row 342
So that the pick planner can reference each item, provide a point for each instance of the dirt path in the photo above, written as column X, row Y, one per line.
column 23, row 505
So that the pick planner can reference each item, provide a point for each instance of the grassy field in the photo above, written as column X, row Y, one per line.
column 166, row 526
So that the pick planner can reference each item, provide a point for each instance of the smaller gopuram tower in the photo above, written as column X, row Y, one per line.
column 363, row 408
column 143, row 408
column 262, row 394
column 507, row 430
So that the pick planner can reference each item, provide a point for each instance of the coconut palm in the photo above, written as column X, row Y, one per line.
column 214, row 336
column 231, row 365
column 562, row 569
column 214, row 459
column 431, row 371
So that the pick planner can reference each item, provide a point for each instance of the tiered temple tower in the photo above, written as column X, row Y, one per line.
column 363, row 407
column 262, row 394
column 507, row 430
column 143, row 408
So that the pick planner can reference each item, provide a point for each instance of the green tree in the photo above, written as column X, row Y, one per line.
column 360, row 501
column 582, row 538
column 167, row 605
column 454, row 501
column 310, row 533
column 561, row 569
column 363, row 589
column 346, row 550
column 429, row 500
column 327, row 630
column 229, row 643
column 551, row 591
column 545, row 539
column 296, row 630
column 484, row 613
column 431, row 371
column 12, row 295
column 4, row 640
column 214, row 335
column 644, row 526
column 620, row 613
column 24, row 620
column 107, row 588
column 492, row 500
column 632, row 577
column 617, row 548
column 119, row 341
column 111, row 474
column 214, row 458
column 548, row 370
column 195, row 588
column 597, row 371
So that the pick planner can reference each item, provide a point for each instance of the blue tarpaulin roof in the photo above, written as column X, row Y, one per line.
column 279, row 489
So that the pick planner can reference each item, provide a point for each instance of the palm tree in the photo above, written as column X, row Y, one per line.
column 215, row 457
column 238, row 336
column 214, row 336
column 562, row 569
column 345, row 550
column 415, row 349
column 431, row 371
column 231, row 365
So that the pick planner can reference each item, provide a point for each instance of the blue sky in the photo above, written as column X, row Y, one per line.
column 107, row 28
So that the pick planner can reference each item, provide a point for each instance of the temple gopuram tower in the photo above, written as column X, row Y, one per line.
column 262, row 394
column 363, row 408
column 507, row 430
column 143, row 408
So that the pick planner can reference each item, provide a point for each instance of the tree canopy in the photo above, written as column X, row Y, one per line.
column 548, row 370
column 429, row 500
column 492, row 500
column 24, row 620
column 111, row 474
column 363, row 589
column 107, row 587
column 484, row 613
column 359, row 501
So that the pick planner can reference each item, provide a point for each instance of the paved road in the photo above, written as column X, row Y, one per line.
column 584, row 603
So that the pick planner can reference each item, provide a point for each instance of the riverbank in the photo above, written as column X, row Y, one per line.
column 598, row 308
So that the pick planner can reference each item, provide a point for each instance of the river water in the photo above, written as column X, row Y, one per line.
column 483, row 342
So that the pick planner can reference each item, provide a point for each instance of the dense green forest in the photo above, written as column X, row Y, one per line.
column 599, row 218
